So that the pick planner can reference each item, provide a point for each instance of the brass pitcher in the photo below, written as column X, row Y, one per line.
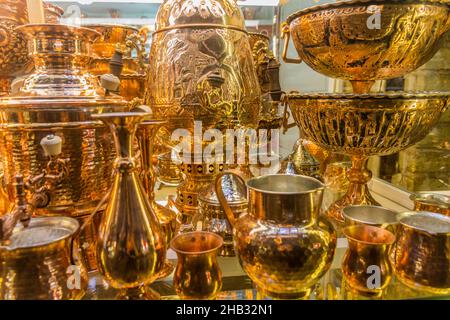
column 131, row 245
column 282, row 243
column 197, row 275
column 366, row 266
column 422, row 252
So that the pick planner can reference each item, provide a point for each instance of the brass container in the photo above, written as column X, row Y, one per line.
column 366, row 267
column 167, row 170
column 52, row 13
column 372, row 216
column 131, row 245
column 422, row 252
column 37, row 263
column 432, row 202
column 14, row 59
column 362, row 126
column 192, row 41
column 58, row 99
column 213, row 216
column 129, row 39
column 197, row 275
column 282, row 243
column 345, row 39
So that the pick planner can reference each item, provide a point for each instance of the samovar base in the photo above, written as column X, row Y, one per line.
column 138, row 293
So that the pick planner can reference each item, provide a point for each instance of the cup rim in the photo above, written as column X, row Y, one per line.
column 348, row 216
column 389, row 234
column 219, row 238
column 320, row 187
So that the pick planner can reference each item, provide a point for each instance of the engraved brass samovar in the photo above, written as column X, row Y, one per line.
column 129, row 39
column 53, row 106
column 201, row 69
column 344, row 40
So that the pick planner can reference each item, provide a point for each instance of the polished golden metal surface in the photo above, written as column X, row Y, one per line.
column 57, row 100
column 131, row 244
column 366, row 260
column 14, row 60
column 197, row 275
column 52, row 12
column 130, row 40
column 372, row 216
column 37, row 262
column 167, row 170
column 167, row 218
column 432, row 202
column 344, row 40
column 282, row 243
column 362, row 126
column 213, row 216
column 422, row 252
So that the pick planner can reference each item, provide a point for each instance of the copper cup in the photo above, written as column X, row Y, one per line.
column 432, row 202
column 372, row 216
column 197, row 275
column 366, row 265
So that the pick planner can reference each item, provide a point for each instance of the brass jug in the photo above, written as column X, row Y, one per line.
column 131, row 245
column 282, row 243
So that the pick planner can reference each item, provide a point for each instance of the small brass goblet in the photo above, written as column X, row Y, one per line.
column 197, row 275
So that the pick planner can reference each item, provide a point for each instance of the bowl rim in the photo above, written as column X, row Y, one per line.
column 340, row 4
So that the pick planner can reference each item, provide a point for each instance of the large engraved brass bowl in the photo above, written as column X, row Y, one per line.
column 364, row 41
column 365, row 125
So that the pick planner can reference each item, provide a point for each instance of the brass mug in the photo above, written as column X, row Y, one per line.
column 422, row 252
column 197, row 275
column 432, row 202
column 371, row 215
column 366, row 266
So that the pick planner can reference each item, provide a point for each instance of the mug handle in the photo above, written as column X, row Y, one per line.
column 286, row 36
column 221, row 197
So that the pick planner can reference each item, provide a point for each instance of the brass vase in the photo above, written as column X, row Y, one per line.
column 167, row 218
column 282, row 243
column 131, row 244
column 366, row 266
column 197, row 275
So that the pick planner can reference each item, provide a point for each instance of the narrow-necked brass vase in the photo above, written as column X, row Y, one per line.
column 197, row 275
column 282, row 243
column 131, row 245
column 366, row 265
column 422, row 252
column 166, row 217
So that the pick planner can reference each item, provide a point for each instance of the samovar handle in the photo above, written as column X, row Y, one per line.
column 221, row 197
column 286, row 36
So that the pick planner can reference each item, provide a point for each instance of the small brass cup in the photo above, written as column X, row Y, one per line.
column 197, row 275
column 432, row 202
column 366, row 265
column 372, row 216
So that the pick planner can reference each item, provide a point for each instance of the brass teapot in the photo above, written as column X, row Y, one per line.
column 282, row 243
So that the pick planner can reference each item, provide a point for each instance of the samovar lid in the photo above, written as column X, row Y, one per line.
column 231, row 189
column 41, row 232
column 191, row 13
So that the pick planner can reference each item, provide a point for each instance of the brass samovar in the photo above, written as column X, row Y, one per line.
column 201, row 69
column 53, row 108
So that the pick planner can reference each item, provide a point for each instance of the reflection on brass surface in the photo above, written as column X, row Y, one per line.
column 57, row 101
column 132, row 79
column 372, row 216
column 282, row 243
column 422, row 252
column 342, row 40
column 167, row 171
column 213, row 216
column 87, row 240
column 197, row 275
column 432, row 202
column 14, row 58
column 52, row 13
column 37, row 264
column 166, row 217
column 366, row 259
column 363, row 126
column 131, row 245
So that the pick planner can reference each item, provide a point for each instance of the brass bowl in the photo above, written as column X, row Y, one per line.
column 375, row 124
column 347, row 40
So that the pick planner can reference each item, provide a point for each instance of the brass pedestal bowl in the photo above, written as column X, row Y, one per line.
column 365, row 125
column 363, row 41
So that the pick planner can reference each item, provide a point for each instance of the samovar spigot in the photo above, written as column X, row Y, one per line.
column 19, row 213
